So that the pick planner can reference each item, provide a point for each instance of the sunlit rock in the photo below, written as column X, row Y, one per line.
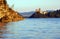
column 7, row 14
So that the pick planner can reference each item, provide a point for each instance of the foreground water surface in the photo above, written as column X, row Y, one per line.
column 39, row 28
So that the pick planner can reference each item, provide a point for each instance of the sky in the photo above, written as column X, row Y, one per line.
column 31, row 5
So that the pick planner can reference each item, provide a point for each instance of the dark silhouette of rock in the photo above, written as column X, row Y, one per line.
column 53, row 14
column 38, row 15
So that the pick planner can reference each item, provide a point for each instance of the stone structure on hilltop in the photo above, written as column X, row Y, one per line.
column 7, row 14
column 40, row 11
column 39, row 14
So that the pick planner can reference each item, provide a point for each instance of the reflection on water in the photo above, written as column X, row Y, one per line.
column 43, row 28
column 2, row 31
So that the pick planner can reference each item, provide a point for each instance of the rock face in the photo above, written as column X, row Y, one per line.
column 7, row 14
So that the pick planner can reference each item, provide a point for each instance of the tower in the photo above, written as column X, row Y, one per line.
column 38, row 10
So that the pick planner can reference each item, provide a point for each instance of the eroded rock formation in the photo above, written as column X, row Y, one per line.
column 7, row 14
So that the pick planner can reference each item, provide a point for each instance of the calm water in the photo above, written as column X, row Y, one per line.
column 42, row 28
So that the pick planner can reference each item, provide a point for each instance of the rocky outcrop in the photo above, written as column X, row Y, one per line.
column 7, row 14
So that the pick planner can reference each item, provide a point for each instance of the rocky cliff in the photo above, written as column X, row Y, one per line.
column 7, row 14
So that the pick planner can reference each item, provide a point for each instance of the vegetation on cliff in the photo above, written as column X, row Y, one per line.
column 7, row 14
column 51, row 14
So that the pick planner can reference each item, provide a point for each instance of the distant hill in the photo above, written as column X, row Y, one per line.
column 38, row 15
column 27, row 14
column 50, row 14
column 34, row 14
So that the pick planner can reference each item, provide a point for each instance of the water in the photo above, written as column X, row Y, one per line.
column 40, row 28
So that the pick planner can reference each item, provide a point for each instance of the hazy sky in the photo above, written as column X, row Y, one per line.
column 31, row 5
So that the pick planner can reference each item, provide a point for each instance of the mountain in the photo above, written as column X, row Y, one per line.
column 27, row 14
